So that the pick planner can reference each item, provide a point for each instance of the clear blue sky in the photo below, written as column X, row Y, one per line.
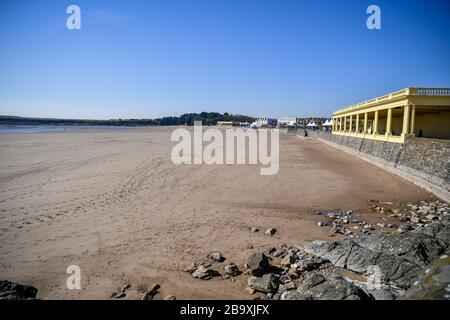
column 151, row 58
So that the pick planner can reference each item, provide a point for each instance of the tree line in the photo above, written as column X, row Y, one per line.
column 207, row 118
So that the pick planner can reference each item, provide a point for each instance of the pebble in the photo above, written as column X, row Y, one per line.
column 415, row 219
column 270, row 231
column 125, row 287
column 368, row 226
column 217, row 256
column 249, row 291
column 204, row 273
column 151, row 293
column 232, row 270
column 285, row 279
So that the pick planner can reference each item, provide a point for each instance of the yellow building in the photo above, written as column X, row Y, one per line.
column 411, row 112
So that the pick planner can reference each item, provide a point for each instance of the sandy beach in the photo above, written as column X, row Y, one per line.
column 113, row 203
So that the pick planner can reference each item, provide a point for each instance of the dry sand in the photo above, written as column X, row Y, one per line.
column 113, row 203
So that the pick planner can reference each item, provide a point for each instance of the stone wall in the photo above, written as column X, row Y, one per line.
column 426, row 162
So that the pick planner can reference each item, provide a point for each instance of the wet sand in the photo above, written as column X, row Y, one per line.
column 113, row 203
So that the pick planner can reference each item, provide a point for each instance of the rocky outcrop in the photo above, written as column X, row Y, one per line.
column 318, row 287
column 433, row 282
column 395, row 259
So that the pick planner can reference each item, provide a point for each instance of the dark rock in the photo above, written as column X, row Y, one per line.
column 310, row 264
column 285, row 279
column 14, row 291
column 289, row 259
column 281, row 252
column 125, row 287
column 267, row 283
column 270, row 231
column 151, row 293
column 295, row 295
column 348, row 254
column 415, row 246
column 257, row 264
column 232, row 270
column 312, row 280
column 404, row 228
column 382, row 294
column 432, row 283
column 193, row 266
column 398, row 257
column 217, row 256
column 319, row 287
column 205, row 273
column 439, row 231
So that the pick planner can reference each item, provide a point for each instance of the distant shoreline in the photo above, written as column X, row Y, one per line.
column 41, row 128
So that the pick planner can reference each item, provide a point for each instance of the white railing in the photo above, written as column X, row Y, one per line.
column 403, row 92
column 430, row 91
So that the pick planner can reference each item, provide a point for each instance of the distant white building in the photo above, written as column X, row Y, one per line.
column 226, row 124
column 266, row 122
column 288, row 121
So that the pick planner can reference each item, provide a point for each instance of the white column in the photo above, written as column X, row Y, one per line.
column 389, row 122
column 406, row 115
column 413, row 118
column 365, row 122
column 357, row 123
column 375, row 123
